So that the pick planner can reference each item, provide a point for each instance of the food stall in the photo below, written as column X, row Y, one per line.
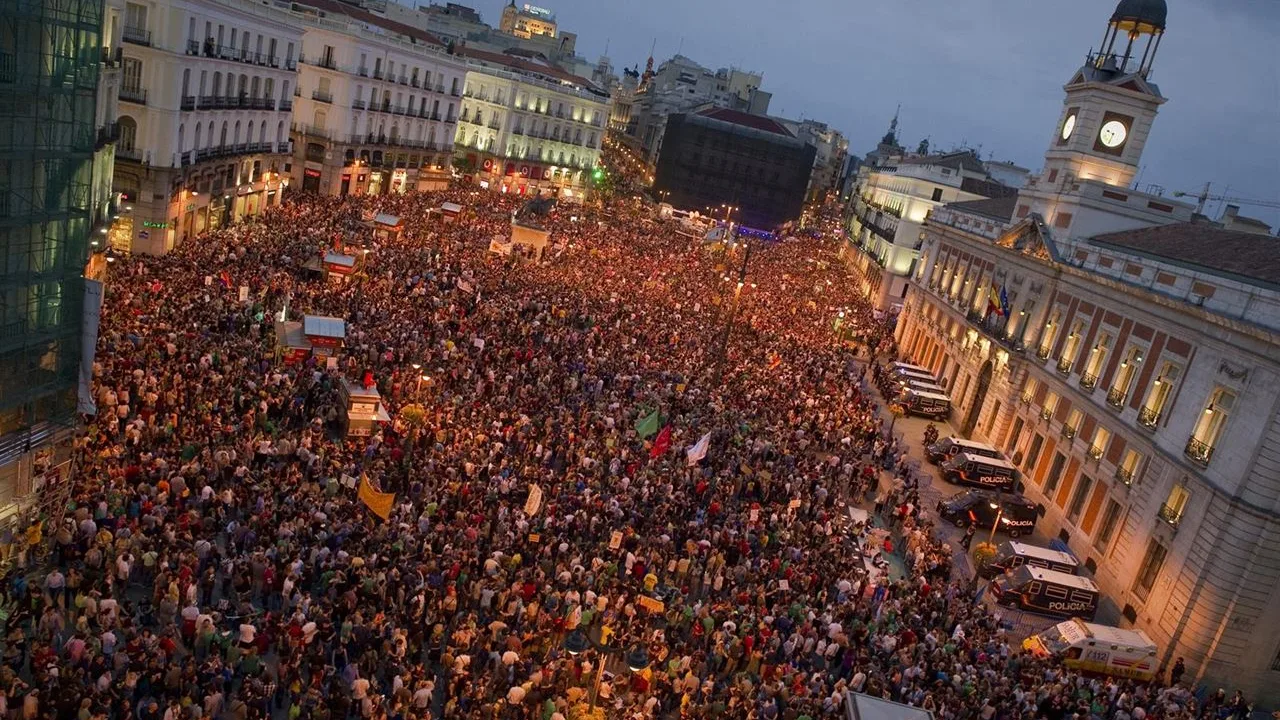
column 296, row 341
column 339, row 267
column 450, row 211
column 363, row 409
column 386, row 226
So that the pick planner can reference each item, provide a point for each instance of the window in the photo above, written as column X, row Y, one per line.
column 1127, row 470
column 1049, row 335
column 135, row 17
column 1094, row 363
column 1072, row 425
column 1124, row 378
column 1101, row 439
column 1152, row 562
column 1069, row 350
column 1050, row 405
column 1210, row 424
column 1055, row 474
column 937, row 195
column 1033, row 453
column 131, row 74
column 1014, row 436
column 1107, row 528
column 1175, row 505
column 1057, row 592
column 128, row 133
column 1158, row 395
column 1029, row 387
column 1078, row 497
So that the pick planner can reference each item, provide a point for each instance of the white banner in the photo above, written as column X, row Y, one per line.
column 534, row 502
column 699, row 450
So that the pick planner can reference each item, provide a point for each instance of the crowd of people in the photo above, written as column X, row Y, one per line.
column 560, row 545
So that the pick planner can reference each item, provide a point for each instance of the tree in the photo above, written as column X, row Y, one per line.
column 414, row 417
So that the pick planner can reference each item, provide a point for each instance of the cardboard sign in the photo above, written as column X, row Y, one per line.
column 534, row 537
column 795, row 503
column 534, row 502
column 653, row 605
column 755, row 514
column 349, row 481
column 244, row 293
column 615, row 541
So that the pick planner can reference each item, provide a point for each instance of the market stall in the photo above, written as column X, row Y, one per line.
column 386, row 226
column 296, row 341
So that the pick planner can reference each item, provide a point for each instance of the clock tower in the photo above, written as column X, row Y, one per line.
column 1110, row 101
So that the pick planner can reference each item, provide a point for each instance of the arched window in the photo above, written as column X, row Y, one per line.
column 128, row 132
column 212, row 135
column 235, row 135
column 280, row 132
column 217, row 83
column 222, row 139
column 249, row 135
column 182, row 133
column 186, row 82
column 262, row 132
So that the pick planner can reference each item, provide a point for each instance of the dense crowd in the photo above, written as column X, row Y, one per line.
column 217, row 562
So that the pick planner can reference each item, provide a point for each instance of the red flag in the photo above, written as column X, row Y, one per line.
column 661, row 444
column 225, row 278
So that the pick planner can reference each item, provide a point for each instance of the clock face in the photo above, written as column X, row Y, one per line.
column 1113, row 133
column 1069, row 126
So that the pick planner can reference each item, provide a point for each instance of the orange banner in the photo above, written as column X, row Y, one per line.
column 379, row 502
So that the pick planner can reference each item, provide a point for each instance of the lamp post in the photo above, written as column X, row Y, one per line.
column 998, row 506
column 577, row 642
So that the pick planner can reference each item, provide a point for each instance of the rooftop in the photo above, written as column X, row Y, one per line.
column 333, row 8
column 521, row 62
column 737, row 117
column 1249, row 256
column 999, row 208
column 960, row 160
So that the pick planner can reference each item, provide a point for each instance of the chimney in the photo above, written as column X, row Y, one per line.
column 1230, row 214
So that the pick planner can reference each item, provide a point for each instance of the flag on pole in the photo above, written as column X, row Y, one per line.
column 661, row 444
column 647, row 427
column 1004, row 302
column 697, row 451
column 993, row 301
column 379, row 502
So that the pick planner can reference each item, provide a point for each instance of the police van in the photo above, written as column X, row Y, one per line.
column 1012, row 554
column 902, row 377
column 896, row 366
column 921, row 386
column 1046, row 592
column 952, row 445
column 1099, row 649
column 1014, row 514
column 927, row 404
column 978, row 470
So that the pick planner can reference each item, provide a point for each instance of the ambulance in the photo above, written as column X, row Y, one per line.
column 1099, row 649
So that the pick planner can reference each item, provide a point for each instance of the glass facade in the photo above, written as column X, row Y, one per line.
column 50, row 60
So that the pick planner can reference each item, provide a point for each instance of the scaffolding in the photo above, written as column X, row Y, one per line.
column 50, row 59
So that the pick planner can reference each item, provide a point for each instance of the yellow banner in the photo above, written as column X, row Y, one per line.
column 379, row 502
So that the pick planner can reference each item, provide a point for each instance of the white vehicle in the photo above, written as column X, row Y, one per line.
column 1101, row 649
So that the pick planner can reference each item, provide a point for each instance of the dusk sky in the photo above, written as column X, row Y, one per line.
column 979, row 72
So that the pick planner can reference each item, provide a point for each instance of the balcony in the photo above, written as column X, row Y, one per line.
column 286, row 105
column 107, row 134
column 1198, row 451
column 358, row 105
column 1068, row 432
column 378, row 75
column 111, row 57
column 1088, row 381
column 314, row 131
column 327, row 62
column 322, row 96
column 1124, row 475
column 1064, row 366
column 137, row 36
column 188, row 102
column 1045, row 414
column 283, row 148
column 8, row 67
column 414, row 83
column 290, row 64
column 1148, row 418
column 1115, row 398
column 129, row 153
column 134, row 95
column 1170, row 515
column 1095, row 452
column 363, row 72
column 404, row 79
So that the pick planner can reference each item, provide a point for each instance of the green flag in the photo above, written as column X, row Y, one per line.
column 647, row 426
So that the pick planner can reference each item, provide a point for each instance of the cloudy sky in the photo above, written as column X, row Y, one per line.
column 979, row 72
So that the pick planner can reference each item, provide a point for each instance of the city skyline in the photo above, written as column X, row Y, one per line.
column 986, row 76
